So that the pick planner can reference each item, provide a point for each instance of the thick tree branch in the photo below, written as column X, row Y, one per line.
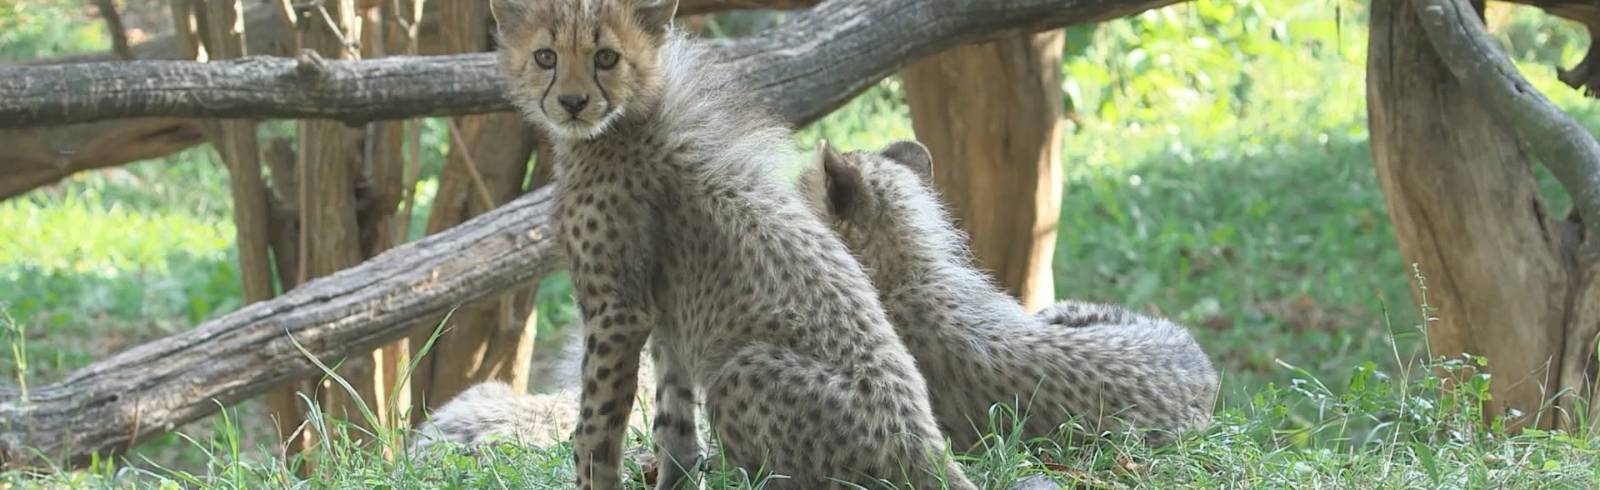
column 803, row 68
column 1565, row 147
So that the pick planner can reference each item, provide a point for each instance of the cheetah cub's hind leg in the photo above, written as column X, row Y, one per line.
column 769, row 404
column 676, row 435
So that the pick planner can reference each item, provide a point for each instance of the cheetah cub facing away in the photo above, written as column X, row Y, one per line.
column 676, row 229
column 976, row 346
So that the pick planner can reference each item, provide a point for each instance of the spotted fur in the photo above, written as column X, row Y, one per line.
column 677, row 229
column 1099, row 365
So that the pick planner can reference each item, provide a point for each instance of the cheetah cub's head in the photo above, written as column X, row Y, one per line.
column 881, row 203
column 575, row 66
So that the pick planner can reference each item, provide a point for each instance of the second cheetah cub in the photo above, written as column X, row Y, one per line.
column 676, row 229
column 1105, row 366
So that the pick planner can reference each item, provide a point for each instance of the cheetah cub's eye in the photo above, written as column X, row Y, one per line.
column 606, row 59
column 546, row 58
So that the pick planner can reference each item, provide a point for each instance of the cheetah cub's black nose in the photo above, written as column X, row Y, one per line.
column 573, row 103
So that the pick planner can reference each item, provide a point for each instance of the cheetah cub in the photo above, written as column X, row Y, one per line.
column 1105, row 366
column 677, row 229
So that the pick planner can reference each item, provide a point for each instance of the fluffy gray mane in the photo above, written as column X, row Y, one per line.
column 711, row 108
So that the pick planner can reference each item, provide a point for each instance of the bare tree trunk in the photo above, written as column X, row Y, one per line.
column 991, row 115
column 237, row 144
column 1500, row 272
column 119, row 34
column 490, row 339
column 288, row 412
column 235, row 140
column 331, row 236
column 389, row 29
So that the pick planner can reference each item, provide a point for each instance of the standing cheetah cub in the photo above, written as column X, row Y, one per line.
column 1106, row 366
column 677, row 230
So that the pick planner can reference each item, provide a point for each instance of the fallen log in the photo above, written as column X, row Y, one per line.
column 155, row 387
column 804, row 69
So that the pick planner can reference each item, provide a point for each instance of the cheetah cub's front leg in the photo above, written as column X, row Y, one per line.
column 611, row 377
column 611, row 278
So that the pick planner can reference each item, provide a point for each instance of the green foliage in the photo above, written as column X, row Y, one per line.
column 874, row 119
column 111, row 258
column 32, row 29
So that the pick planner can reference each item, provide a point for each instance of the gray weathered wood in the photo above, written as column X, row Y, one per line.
column 804, row 68
column 1565, row 146
column 152, row 388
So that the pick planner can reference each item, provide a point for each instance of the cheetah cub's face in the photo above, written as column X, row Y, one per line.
column 575, row 66
column 877, row 201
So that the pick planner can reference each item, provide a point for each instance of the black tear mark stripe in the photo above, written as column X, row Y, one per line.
column 555, row 73
column 603, row 95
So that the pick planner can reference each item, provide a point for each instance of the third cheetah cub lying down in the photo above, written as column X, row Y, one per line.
column 975, row 345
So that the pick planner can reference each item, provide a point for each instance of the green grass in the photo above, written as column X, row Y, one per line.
column 1375, row 428
column 1216, row 171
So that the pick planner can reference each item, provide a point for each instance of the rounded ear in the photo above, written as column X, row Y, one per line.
column 655, row 15
column 913, row 155
column 508, row 13
column 847, row 189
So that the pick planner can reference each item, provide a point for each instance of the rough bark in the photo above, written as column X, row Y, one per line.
column 1563, row 146
column 991, row 115
column 155, row 387
column 489, row 339
column 1465, row 209
column 829, row 53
